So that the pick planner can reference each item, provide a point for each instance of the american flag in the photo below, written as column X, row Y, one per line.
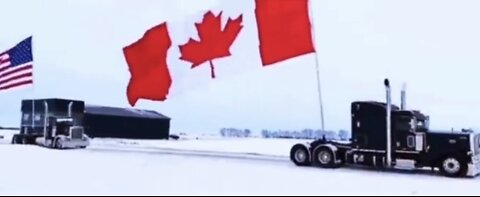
column 16, row 66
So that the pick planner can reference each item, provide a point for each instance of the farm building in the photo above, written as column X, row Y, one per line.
column 111, row 122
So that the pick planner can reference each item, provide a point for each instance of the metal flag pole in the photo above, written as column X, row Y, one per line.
column 33, row 93
column 33, row 112
column 317, row 65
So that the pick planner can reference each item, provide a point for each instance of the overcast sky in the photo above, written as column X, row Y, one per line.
column 432, row 45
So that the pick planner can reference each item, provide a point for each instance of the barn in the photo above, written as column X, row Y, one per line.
column 113, row 122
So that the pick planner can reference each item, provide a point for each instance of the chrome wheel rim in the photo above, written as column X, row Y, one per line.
column 300, row 155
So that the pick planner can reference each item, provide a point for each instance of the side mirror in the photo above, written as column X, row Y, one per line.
column 427, row 122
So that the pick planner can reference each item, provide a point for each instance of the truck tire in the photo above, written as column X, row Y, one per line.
column 58, row 144
column 28, row 140
column 299, row 155
column 16, row 139
column 25, row 140
column 453, row 166
column 323, row 157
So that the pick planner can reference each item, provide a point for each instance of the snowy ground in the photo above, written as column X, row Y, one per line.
column 271, row 147
column 6, row 136
column 123, row 167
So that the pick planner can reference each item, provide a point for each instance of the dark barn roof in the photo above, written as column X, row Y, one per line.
column 124, row 112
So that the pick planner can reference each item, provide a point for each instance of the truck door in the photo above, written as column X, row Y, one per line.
column 407, row 140
column 51, row 128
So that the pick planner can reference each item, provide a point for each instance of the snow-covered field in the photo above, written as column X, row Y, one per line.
column 6, row 136
column 259, row 146
column 123, row 167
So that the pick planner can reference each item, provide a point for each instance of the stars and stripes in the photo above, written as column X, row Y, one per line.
column 16, row 66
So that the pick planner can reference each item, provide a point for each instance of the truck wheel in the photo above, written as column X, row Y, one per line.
column 28, row 140
column 299, row 155
column 58, row 143
column 25, row 140
column 324, row 157
column 453, row 167
column 16, row 139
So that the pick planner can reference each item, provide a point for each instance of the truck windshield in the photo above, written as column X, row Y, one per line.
column 422, row 125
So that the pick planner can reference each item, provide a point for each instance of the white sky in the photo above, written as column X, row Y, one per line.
column 432, row 45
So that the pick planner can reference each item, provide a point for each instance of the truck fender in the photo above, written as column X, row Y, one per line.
column 61, row 137
column 307, row 146
column 86, row 137
column 293, row 154
column 332, row 148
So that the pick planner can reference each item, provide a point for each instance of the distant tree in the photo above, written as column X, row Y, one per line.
column 238, row 132
column 288, row 134
column 274, row 134
column 330, row 135
column 265, row 133
column 307, row 133
column 297, row 135
column 247, row 132
column 231, row 132
column 223, row 132
column 319, row 133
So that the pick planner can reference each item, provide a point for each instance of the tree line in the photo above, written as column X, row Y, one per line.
column 303, row 134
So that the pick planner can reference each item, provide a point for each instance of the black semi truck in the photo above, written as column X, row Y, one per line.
column 383, row 135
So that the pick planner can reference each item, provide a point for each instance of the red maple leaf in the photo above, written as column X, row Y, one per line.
column 214, row 42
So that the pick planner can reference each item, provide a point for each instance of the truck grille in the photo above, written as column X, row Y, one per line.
column 477, row 144
column 77, row 133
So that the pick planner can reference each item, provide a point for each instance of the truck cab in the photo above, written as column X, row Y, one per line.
column 60, row 133
column 384, row 134
column 455, row 153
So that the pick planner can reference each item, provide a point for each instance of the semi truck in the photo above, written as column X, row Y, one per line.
column 52, row 123
column 385, row 135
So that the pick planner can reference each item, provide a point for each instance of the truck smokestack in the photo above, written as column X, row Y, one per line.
column 70, row 109
column 389, row 132
column 45, row 120
column 403, row 105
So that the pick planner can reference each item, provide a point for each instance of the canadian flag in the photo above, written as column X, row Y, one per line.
column 227, row 39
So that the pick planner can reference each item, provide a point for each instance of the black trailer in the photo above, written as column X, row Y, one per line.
column 384, row 134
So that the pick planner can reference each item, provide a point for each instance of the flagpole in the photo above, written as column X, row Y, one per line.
column 33, row 108
column 33, row 112
column 33, row 94
column 317, row 66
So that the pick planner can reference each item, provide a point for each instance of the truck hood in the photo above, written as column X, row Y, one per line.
column 455, row 132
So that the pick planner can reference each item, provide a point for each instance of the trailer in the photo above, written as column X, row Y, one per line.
column 53, row 123
column 383, row 135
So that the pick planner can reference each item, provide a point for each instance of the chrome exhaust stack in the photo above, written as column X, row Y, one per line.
column 389, row 131
column 45, row 120
column 70, row 109
column 403, row 105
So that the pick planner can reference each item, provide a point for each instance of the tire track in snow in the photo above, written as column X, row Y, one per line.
column 184, row 152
